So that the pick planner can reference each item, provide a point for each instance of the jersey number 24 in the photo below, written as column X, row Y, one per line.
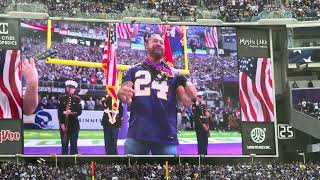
column 142, row 85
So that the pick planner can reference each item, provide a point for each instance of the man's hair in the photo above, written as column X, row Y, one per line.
column 148, row 35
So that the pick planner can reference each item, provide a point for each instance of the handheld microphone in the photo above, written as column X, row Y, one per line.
column 48, row 53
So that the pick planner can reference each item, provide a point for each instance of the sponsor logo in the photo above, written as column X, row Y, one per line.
column 42, row 120
column 4, row 28
column 8, row 135
column 254, row 43
column 258, row 135
column 258, row 147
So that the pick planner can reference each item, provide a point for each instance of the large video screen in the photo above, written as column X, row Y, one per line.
column 211, row 53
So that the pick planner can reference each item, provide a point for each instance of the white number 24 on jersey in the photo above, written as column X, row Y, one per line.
column 142, row 88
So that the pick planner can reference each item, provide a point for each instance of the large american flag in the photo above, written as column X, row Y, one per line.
column 110, row 66
column 211, row 38
column 256, row 94
column 10, row 84
column 124, row 30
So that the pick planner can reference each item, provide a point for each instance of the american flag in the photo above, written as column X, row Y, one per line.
column 10, row 84
column 211, row 38
column 256, row 95
column 110, row 66
column 124, row 30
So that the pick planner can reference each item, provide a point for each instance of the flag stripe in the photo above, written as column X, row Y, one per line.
column 110, row 62
column 211, row 39
column 114, row 68
column 269, row 84
column 265, row 112
column 12, row 81
column 123, row 30
column 269, row 78
column 246, row 95
column 10, row 84
column 244, row 107
column 263, row 85
column 4, row 105
column 254, row 101
column 256, row 89
column 1, row 112
column 261, row 69
column 13, row 108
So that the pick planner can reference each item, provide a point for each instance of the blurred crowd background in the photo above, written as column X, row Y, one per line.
column 146, row 171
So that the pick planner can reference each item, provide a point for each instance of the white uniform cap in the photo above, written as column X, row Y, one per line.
column 71, row 83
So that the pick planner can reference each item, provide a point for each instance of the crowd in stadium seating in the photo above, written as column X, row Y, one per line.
column 237, row 10
column 305, row 10
column 228, row 10
column 206, row 70
column 3, row 4
column 72, row 7
column 309, row 106
column 60, row 73
column 246, row 171
column 166, row 8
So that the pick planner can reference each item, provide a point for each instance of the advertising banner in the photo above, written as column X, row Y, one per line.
column 48, row 119
column 9, row 34
column 10, row 137
column 256, row 91
column 258, row 138
column 253, row 42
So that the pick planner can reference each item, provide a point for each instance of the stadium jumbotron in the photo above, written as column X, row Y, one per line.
column 154, row 89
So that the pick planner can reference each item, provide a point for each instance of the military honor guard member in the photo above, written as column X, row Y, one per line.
column 69, row 108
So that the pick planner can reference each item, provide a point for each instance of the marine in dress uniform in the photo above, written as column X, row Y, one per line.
column 202, row 125
column 111, row 122
column 69, row 108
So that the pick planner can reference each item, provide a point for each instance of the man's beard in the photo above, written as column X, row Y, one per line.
column 156, row 54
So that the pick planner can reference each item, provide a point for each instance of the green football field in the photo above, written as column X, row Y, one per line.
column 98, row 134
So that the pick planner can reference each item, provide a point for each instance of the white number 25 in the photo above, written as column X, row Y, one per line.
column 142, row 85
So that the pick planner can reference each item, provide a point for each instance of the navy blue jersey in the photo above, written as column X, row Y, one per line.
column 153, row 109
